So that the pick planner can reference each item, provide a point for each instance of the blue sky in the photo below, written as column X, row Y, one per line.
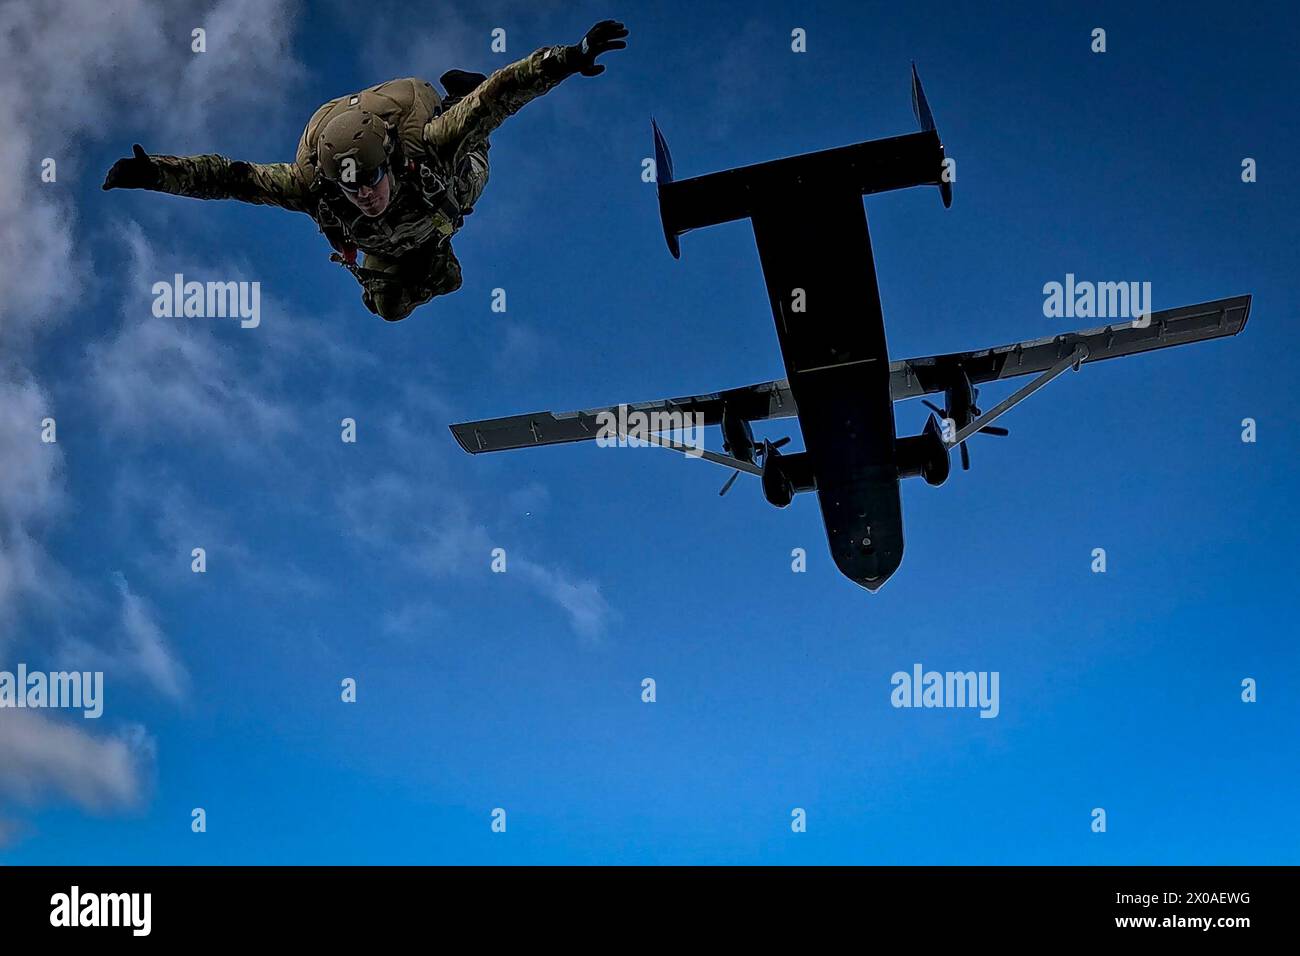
column 523, row 690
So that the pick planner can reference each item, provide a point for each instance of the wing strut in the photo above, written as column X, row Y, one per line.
column 1011, row 401
column 691, row 451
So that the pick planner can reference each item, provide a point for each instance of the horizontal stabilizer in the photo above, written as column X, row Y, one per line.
column 880, row 165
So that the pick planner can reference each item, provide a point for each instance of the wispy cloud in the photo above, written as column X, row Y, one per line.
column 580, row 598
column 143, row 648
column 135, row 647
column 449, row 40
column 411, row 622
column 178, row 376
column 521, row 350
column 436, row 533
column 741, row 75
column 32, row 488
column 30, row 495
column 168, row 522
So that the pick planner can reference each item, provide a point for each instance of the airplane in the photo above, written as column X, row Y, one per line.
column 814, row 248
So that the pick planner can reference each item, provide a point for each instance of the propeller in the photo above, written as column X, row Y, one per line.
column 995, row 430
column 761, row 453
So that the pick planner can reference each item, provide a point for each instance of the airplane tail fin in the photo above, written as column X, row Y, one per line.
column 664, row 177
column 920, row 106
column 925, row 119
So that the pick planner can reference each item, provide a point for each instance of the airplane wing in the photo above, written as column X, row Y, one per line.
column 753, row 402
column 909, row 378
column 1190, row 323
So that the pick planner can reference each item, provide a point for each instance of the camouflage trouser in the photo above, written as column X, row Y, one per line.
column 429, row 271
column 416, row 278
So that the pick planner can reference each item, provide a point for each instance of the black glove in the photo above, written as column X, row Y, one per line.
column 604, row 36
column 135, row 172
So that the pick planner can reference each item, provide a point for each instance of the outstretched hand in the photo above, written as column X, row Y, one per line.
column 137, row 171
column 604, row 36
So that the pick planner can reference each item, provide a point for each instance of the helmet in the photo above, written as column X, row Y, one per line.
column 353, row 147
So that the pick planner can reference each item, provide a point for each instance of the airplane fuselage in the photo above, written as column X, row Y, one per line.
column 821, row 281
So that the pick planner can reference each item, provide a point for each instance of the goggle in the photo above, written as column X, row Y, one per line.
column 368, row 179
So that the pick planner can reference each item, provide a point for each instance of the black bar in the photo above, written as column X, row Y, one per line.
column 910, row 905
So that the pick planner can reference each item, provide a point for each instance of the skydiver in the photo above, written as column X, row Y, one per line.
column 391, row 171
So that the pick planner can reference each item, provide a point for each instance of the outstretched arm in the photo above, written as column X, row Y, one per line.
column 506, row 91
column 210, row 176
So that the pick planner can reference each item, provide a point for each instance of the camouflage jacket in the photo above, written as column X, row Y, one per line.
column 433, row 148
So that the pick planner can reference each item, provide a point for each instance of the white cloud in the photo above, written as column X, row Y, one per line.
column 247, row 65
column 76, row 70
column 24, row 567
column 46, row 758
column 41, row 757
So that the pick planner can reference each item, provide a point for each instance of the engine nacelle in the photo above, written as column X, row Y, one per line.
column 785, row 476
column 924, row 455
column 737, row 436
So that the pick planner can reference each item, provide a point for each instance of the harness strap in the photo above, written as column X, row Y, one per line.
column 363, row 275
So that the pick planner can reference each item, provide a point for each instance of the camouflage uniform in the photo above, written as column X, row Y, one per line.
column 439, row 169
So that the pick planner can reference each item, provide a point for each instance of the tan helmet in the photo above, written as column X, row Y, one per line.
column 353, row 147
